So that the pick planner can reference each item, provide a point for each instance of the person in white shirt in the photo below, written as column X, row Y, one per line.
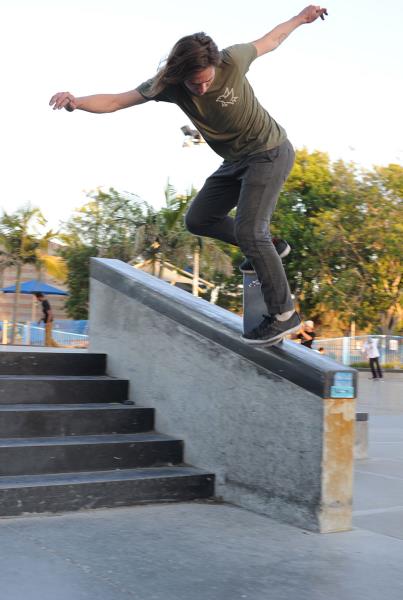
column 370, row 348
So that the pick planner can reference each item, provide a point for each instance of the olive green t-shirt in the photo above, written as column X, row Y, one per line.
column 228, row 115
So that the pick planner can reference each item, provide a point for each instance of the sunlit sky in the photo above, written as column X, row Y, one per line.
column 335, row 86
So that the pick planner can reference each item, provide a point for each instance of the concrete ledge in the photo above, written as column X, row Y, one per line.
column 261, row 419
column 310, row 370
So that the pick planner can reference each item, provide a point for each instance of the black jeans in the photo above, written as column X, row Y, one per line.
column 252, row 184
column 374, row 362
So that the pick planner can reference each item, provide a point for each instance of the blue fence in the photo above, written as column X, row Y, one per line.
column 70, row 326
column 66, row 333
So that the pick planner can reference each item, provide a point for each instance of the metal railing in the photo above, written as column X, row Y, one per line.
column 68, row 334
column 349, row 350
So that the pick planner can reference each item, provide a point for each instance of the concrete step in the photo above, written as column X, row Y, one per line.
column 31, row 456
column 61, row 389
column 52, row 363
column 32, row 494
column 47, row 420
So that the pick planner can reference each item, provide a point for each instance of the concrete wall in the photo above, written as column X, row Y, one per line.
column 275, row 447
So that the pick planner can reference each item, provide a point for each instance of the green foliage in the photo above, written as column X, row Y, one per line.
column 108, row 222
column 164, row 237
column 22, row 242
column 19, row 238
column 78, row 262
column 361, row 271
column 106, row 226
column 345, row 227
column 365, row 365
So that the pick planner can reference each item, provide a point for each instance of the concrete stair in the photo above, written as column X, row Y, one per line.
column 64, row 389
column 52, row 363
column 46, row 420
column 68, row 441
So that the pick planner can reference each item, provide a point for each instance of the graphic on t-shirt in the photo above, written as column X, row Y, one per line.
column 228, row 97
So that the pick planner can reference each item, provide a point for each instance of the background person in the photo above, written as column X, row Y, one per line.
column 47, row 318
column 370, row 348
column 307, row 334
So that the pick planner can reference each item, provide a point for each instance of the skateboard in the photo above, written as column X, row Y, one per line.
column 254, row 306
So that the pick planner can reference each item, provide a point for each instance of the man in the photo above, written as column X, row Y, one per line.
column 307, row 334
column 47, row 318
column 370, row 348
column 211, row 88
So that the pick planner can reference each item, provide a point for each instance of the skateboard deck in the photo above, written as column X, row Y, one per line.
column 254, row 306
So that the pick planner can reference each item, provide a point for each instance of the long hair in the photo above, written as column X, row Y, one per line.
column 190, row 54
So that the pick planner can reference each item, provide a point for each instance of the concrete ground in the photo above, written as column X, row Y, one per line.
column 204, row 551
column 378, row 499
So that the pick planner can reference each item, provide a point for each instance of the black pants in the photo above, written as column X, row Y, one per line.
column 253, row 185
column 374, row 362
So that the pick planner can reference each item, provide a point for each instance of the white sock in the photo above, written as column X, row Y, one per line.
column 285, row 315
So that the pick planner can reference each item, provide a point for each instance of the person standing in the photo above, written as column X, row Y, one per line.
column 211, row 88
column 47, row 318
column 370, row 348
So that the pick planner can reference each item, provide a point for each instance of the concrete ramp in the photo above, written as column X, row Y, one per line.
column 276, row 425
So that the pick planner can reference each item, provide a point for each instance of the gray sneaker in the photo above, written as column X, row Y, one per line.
column 283, row 249
column 270, row 330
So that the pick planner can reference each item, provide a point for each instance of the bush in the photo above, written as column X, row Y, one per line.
column 365, row 365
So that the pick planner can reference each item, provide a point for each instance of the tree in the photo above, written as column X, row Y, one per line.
column 165, row 238
column 344, row 226
column 308, row 190
column 108, row 222
column 105, row 226
column 78, row 261
column 21, row 243
column 361, row 275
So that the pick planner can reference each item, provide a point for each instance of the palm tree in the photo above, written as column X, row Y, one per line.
column 20, row 244
column 165, row 238
column 108, row 222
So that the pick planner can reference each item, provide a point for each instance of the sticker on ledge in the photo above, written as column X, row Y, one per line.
column 340, row 391
column 343, row 379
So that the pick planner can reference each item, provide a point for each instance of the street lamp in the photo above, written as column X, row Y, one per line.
column 192, row 137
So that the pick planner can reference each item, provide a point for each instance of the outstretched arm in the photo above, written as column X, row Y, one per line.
column 274, row 38
column 99, row 103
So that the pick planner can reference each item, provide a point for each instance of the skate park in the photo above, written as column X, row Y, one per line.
column 258, row 534
column 163, row 444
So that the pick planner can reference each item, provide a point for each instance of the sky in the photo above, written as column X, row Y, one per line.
column 335, row 86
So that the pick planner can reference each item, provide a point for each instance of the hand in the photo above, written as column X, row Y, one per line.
column 311, row 13
column 63, row 100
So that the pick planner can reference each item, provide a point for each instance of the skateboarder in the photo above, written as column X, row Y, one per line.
column 211, row 88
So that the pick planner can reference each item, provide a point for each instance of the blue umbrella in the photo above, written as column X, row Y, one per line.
column 35, row 287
